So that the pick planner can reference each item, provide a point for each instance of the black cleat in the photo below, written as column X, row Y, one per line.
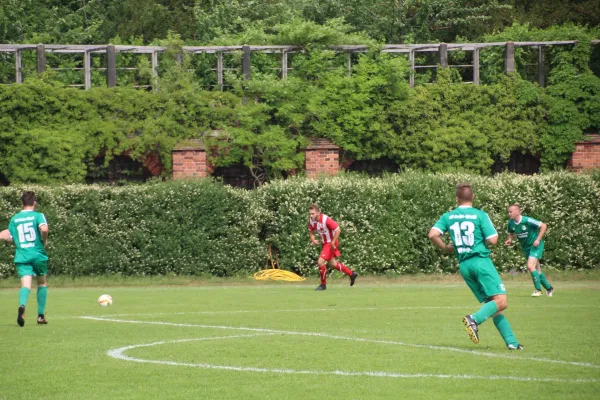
column 472, row 328
column 322, row 286
column 517, row 347
column 20, row 316
column 353, row 278
column 42, row 320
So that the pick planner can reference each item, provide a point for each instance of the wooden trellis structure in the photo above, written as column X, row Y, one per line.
column 111, row 51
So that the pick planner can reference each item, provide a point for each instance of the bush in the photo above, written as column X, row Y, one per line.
column 385, row 221
column 180, row 227
column 203, row 227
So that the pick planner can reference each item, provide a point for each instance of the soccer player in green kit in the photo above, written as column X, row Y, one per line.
column 29, row 231
column 470, row 229
column 529, row 231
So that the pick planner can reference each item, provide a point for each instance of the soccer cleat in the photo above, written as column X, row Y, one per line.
column 42, row 320
column 353, row 278
column 21, row 316
column 472, row 328
column 517, row 347
column 549, row 292
column 321, row 287
column 536, row 293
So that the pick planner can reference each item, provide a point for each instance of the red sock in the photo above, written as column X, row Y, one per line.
column 323, row 273
column 342, row 268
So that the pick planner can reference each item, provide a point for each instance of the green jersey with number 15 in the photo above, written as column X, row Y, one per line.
column 469, row 228
column 25, row 231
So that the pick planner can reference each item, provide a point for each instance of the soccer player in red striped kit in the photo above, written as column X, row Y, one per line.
column 329, row 231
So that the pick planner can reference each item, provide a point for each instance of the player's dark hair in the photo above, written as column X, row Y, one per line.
column 314, row 207
column 28, row 198
column 464, row 192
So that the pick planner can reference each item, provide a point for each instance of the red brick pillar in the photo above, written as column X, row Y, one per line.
column 189, row 160
column 322, row 158
column 587, row 154
column 153, row 163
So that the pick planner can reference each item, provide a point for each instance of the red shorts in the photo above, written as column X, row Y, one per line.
column 327, row 253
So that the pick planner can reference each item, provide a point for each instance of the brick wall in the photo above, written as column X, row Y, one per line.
column 153, row 164
column 587, row 154
column 189, row 161
column 322, row 158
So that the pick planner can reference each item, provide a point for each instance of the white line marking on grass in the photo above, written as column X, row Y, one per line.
column 286, row 310
column 594, row 284
column 119, row 354
column 325, row 335
column 301, row 310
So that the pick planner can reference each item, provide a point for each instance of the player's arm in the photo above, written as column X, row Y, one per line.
column 311, row 231
column 43, row 227
column 5, row 235
column 489, row 232
column 435, row 235
column 493, row 240
column 511, row 238
column 336, row 236
column 44, row 230
column 332, row 225
column 543, row 228
column 312, row 238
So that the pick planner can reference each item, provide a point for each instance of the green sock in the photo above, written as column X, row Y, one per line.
column 536, row 280
column 544, row 282
column 505, row 330
column 490, row 308
column 23, row 295
column 42, row 295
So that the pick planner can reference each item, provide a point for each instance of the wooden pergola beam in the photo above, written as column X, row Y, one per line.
column 283, row 50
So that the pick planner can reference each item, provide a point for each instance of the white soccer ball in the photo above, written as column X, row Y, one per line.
column 105, row 300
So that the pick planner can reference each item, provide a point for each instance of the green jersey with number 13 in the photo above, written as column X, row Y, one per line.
column 469, row 228
column 25, row 231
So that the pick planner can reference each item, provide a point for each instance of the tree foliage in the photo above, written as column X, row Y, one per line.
column 52, row 133
column 204, row 21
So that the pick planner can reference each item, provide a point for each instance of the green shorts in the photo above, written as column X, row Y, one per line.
column 36, row 268
column 534, row 252
column 482, row 278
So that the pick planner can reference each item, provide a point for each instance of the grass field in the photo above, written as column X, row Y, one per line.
column 377, row 340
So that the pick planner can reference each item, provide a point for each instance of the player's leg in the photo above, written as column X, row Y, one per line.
column 535, row 276
column 26, row 274
column 469, row 274
column 42, row 296
column 506, row 332
column 336, row 264
column 487, row 286
column 544, row 281
column 322, row 264
column 493, row 289
column 500, row 321
column 496, row 292
column 537, row 253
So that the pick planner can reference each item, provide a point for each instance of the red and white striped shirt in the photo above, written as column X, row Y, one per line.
column 324, row 226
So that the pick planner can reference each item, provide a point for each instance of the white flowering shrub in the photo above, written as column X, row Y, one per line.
column 385, row 221
column 203, row 227
column 195, row 227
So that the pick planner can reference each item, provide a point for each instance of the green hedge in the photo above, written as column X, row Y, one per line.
column 182, row 228
column 203, row 227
